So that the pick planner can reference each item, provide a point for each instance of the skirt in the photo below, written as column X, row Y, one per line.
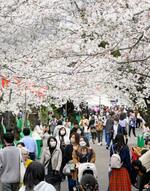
column 119, row 180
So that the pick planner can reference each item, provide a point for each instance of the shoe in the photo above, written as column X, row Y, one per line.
column 101, row 143
column 98, row 143
column 107, row 147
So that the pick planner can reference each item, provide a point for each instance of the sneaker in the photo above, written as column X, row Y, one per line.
column 107, row 147
column 101, row 143
column 98, row 143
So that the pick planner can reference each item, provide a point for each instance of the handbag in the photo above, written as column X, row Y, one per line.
column 68, row 168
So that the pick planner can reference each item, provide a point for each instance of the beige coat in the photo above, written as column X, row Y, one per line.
column 56, row 159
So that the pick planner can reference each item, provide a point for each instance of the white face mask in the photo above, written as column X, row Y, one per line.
column 52, row 144
column 82, row 143
column 62, row 132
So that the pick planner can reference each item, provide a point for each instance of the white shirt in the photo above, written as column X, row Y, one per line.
column 123, row 123
column 115, row 128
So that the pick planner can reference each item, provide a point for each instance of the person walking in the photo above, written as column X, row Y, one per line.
column 45, row 137
column 132, row 123
column 123, row 126
column 115, row 128
column 52, row 160
column 109, row 130
column 99, row 129
column 92, row 126
column 84, row 123
column 53, row 124
column 9, row 164
column 29, row 143
column 68, row 153
column 120, row 177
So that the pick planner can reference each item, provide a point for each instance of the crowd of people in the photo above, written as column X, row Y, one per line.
column 66, row 146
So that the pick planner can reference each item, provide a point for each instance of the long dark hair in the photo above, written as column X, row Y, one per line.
column 122, row 116
column 119, row 142
column 77, row 137
column 49, row 139
column 34, row 175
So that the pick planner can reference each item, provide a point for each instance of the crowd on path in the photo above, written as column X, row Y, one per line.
column 43, row 158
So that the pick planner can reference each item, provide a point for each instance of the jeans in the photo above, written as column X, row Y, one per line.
column 133, row 130
column 108, row 138
column 87, row 136
column 10, row 186
column 100, row 136
column 94, row 134
column 71, row 183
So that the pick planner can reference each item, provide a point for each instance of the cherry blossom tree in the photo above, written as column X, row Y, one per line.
column 73, row 46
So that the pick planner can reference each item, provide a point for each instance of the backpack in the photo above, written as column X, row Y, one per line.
column 115, row 160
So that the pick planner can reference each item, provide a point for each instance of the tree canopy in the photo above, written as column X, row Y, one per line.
column 69, row 49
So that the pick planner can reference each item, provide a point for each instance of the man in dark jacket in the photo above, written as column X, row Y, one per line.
column 109, row 130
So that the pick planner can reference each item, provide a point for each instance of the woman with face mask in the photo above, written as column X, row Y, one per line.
column 61, row 137
column 52, row 160
column 84, row 153
column 74, row 144
column 62, row 141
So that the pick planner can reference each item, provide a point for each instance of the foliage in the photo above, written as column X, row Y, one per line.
column 44, row 114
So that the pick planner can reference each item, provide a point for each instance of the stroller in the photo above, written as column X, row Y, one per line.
column 85, row 169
